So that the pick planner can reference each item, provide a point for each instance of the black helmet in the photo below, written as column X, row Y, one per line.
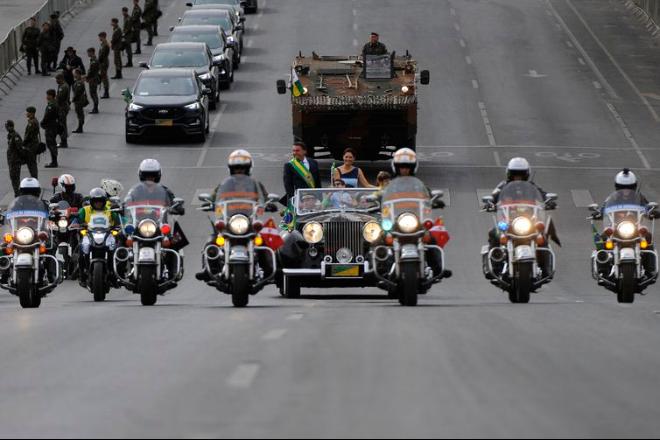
column 150, row 170
column 98, row 199
column 30, row 187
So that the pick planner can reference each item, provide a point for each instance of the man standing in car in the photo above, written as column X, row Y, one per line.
column 300, row 172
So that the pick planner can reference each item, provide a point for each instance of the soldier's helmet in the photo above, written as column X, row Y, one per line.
column 9, row 125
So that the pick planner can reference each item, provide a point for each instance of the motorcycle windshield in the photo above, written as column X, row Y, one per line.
column 521, row 199
column 237, row 195
column 27, row 211
column 406, row 195
column 98, row 222
column 318, row 201
column 625, row 205
column 147, row 200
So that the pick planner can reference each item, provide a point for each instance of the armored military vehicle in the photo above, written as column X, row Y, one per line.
column 365, row 102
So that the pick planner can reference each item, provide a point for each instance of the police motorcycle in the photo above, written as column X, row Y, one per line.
column 523, row 260
column 408, row 262
column 27, row 270
column 237, row 262
column 625, row 261
column 65, row 230
column 148, row 263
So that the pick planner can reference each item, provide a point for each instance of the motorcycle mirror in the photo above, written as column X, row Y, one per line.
column 204, row 197
column 371, row 199
column 179, row 202
column 551, row 197
column 54, row 182
column 488, row 200
column 281, row 87
column 115, row 201
column 594, row 208
column 2, row 219
column 53, row 206
column 437, row 194
column 273, row 198
column 653, row 206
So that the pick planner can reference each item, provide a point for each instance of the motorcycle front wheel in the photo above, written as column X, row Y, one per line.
column 27, row 292
column 627, row 284
column 147, row 286
column 409, row 284
column 522, row 285
column 97, row 281
column 240, row 285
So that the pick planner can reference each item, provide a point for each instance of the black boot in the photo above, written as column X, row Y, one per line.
column 52, row 165
column 94, row 111
column 106, row 95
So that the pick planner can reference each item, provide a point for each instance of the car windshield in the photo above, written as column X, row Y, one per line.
column 212, row 39
column 179, row 58
column 221, row 20
column 218, row 2
column 314, row 201
column 166, row 86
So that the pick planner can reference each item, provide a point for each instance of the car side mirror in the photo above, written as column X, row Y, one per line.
column 189, row 4
column 240, row 27
column 128, row 96
column 144, row 65
column 281, row 87
column 172, row 27
column 425, row 77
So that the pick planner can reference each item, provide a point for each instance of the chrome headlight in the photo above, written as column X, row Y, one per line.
column 313, row 232
column 626, row 230
column 372, row 232
column 134, row 107
column 62, row 223
column 205, row 77
column 25, row 236
column 147, row 228
column 408, row 223
column 239, row 225
column 193, row 106
column 522, row 226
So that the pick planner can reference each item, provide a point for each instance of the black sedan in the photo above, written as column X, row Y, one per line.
column 167, row 102
column 250, row 6
column 232, row 28
column 216, row 40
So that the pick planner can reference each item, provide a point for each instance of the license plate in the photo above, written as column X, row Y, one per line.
column 165, row 122
column 147, row 255
column 345, row 271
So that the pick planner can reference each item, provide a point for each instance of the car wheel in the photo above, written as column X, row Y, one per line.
column 291, row 287
column 213, row 104
column 130, row 139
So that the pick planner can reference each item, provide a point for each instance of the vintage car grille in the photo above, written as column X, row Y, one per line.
column 340, row 235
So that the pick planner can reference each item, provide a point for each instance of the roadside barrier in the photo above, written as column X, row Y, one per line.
column 648, row 11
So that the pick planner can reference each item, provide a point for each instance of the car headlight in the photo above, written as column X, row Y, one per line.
column 626, row 230
column 313, row 233
column 205, row 77
column 134, row 107
column 193, row 106
column 408, row 223
column 522, row 226
column 372, row 232
column 25, row 236
column 147, row 228
column 62, row 223
column 239, row 225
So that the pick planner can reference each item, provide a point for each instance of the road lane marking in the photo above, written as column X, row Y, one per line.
column 597, row 85
column 6, row 200
column 535, row 74
column 583, row 52
column 615, row 62
column 487, row 124
column 356, row 43
column 243, row 377
column 209, row 138
column 498, row 159
column 581, row 61
column 457, row 27
column 468, row 59
column 628, row 134
column 463, row 43
column 354, row 12
column 274, row 335
column 355, row 27
column 295, row 317
column 249, row 43
column 475, row 84
column 582, row 198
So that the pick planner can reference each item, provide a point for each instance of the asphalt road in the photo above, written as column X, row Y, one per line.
column 572, row 85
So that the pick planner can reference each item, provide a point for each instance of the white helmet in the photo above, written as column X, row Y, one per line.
column 150, row 168
column 518, row 167
column 404, row 157
column 30, row 187
column 111, row 187
column 626, row 179
column 240, row 159
column 66, row 180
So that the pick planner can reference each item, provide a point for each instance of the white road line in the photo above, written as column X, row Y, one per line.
column 487, row 125
column 581, row 61
column 274, row 335
column 244, row 376
column 256, row 26
column 462, row 43
column 475, row 84
column 582, row 198
column 249, row 43
column 355, row 27
column 356, row 43
column 209, row 138
column 615, row 62
column 7, row 199
column 452, row 11
column 354, row 12
column 295, row 317
column 457, row 27
column 498, row 159
column 628, row 134
column 585, row 55
column 468, row 59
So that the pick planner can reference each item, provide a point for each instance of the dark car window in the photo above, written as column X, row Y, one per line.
column 221, row 20
column 179, row 58
column 212, row 39
column 167, row 86
column 218, row 2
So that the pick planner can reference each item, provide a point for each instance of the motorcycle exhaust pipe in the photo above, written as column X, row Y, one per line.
column 122, row 255
column 5, row 264
column 382, row 253
column 603, row 257
column 213, row 253
column 497, row 255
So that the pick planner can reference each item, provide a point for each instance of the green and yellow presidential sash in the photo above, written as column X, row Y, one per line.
column 303, row 172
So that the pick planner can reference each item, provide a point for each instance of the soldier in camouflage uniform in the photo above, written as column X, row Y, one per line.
column 93, row 79
column 150, row 17
column 80, row 100
column 31, row 141
column 128, row 36
column 14, row 156
column 30, row 46
column 63, row 106
column 374, row 47
column 58, row 35
column 50, row 123
column 136, row 18
column 104, row 64
column 117, row 45
column 46, row 48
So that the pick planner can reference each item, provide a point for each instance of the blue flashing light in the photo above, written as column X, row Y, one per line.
column 387, row 225
column 129, row 229
column 503, row 226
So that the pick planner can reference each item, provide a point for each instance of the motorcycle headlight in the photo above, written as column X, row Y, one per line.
column 25, row 236
column 408, row 223
column 193, row 106
column 99, row 238
column 239, row 225
column 522, row 226
column 134, row 107
column 372, row 232
column 626, row 230
column 62, row 223
column 147, row 228
column 313, row 233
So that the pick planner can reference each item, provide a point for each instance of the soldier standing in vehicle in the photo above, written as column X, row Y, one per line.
column 63, row 106
column 93, row 79
column 117, row 46
column 80, row 100
column 31, row 141
column 30, row 46
column 104, row 64
column 136, row 18
column 150, row 17
column 374, row 47
column 128, row 36
column 46, row 48
column 50, row 123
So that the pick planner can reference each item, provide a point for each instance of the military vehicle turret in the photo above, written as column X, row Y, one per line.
column 368, row 103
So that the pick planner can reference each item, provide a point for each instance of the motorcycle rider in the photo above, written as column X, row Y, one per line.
column 625, row 180
column 112, row 188
column 98, row 204
column 151, row 171
column 68, row 194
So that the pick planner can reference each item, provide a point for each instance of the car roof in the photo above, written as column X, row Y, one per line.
column 207, row 12
column 221, row 6
column 199, row 28
column 171, row 72
column 186, row 46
